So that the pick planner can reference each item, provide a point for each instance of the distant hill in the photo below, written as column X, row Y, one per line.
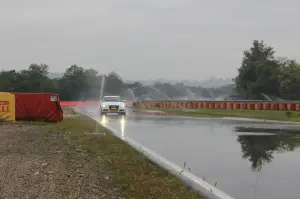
column 215, row 82
column 55, row 75
column 209, row 83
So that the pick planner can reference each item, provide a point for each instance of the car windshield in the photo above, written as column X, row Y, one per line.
column 112, row 99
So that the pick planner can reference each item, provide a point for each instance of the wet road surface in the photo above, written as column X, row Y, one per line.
column 243, row 158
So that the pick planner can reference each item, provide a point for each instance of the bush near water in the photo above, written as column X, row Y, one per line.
column 261, row 73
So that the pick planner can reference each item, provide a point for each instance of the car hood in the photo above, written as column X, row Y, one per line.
column 112, row 103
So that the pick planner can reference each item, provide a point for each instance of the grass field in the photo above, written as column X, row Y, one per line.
column 258, row 114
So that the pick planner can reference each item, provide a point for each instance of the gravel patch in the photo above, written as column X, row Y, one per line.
column 41, row 162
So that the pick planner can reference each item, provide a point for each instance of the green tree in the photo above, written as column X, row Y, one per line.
column 92, row 84
column 72, row 85
column 290, row 81
column 9, row 81
column 113, row 84
column 41, row 69
column 138, row 88
column 34, row 79
column 259, row 72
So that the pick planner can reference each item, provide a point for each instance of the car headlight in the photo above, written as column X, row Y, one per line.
column 104, row 106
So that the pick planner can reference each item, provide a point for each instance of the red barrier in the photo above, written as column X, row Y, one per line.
column 38, row 106
column 251, row 105
column 78, row 103
column 85, row 103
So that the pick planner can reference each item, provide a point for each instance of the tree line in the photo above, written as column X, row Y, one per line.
column 78, row 83
column 261, row 74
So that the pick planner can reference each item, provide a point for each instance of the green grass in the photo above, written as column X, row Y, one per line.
column 133, row 173
column 258, row 114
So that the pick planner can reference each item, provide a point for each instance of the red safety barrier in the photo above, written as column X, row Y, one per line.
column 251, row 105
column 79, row 103
column 38, row 106
column 86, row 103
column 293, row 107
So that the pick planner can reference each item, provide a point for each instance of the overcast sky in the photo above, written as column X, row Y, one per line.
column 145, row 39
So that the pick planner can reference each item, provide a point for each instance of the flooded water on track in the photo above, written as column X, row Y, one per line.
column 247, row 160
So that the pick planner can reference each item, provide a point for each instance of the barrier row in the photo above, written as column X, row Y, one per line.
column 33, row 106
column 219, row 105
column 85, row 103
column 30, row 106
column 243, row 105
column 79, row 103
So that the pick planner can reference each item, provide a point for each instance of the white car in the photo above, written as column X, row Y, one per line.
column 112, row 104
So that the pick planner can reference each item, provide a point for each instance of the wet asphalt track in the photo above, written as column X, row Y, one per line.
column 214, row 149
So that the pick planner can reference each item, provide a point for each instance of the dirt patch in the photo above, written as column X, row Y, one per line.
column 40, row 161
column 70, row 113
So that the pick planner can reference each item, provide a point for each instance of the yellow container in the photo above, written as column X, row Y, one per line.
column 7, row 107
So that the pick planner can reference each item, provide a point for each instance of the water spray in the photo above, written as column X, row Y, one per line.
column 102, row 86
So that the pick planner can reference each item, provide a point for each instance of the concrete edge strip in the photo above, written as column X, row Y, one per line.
column 259, row 120
column 206, row 189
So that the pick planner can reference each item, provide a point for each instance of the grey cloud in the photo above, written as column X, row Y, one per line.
column 139, row 39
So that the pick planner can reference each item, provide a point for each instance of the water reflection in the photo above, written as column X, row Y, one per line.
column 103, row 120
column 122, row 122
column 259, row 150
